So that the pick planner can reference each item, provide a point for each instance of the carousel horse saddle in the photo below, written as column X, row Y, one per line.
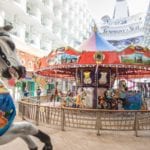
column 7, row 109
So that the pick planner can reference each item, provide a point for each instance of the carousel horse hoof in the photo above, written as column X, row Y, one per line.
column 48, row 147
column 34, row 148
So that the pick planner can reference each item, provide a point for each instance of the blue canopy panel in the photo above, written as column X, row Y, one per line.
column 102, row 44
column 97, row 43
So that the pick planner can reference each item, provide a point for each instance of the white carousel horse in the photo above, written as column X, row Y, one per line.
column 11, row 67
column 88, row 96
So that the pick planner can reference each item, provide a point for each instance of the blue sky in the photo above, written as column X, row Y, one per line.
column 100, row 8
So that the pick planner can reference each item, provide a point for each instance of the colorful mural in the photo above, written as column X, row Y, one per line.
column 136, row 58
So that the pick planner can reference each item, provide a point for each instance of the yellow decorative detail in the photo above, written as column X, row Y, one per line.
column 87, row 79
column 3, row 89
column 132, row 46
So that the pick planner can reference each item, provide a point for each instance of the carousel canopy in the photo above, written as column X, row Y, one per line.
column 58, row 56
column 65, row 60
column 89, row 58
column 97, row 43
column 132, row 55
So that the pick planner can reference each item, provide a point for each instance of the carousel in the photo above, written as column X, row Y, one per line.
column 99, row 72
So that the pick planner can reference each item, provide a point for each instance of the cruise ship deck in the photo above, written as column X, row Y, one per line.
column 79, row 139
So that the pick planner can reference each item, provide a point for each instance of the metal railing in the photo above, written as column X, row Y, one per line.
column 63, row 117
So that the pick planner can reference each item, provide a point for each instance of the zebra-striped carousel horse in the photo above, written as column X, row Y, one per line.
column 11, row 68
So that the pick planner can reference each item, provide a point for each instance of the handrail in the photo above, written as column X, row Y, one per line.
column 85, row 109
column 124, row 120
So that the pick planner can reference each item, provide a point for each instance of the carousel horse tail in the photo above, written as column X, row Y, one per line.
column 45, row 139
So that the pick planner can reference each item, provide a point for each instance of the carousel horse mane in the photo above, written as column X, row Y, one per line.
column 11, row 68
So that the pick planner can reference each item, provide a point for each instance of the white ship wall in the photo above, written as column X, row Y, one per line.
column 43, row 25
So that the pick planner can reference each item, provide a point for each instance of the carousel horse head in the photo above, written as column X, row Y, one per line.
column 9, row 63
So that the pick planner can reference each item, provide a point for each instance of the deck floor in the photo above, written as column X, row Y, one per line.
column 79, row 139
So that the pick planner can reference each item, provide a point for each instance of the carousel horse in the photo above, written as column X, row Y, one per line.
column 115, row 99
column 11, row 68
column 108, row 98
column 88, row 96
column 101, row 102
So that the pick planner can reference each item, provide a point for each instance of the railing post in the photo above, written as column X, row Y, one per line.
column 98, row 122
column 23, row 110
column 48, row 115
column 62, row 119
column 136, row 125
column 37, row 114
